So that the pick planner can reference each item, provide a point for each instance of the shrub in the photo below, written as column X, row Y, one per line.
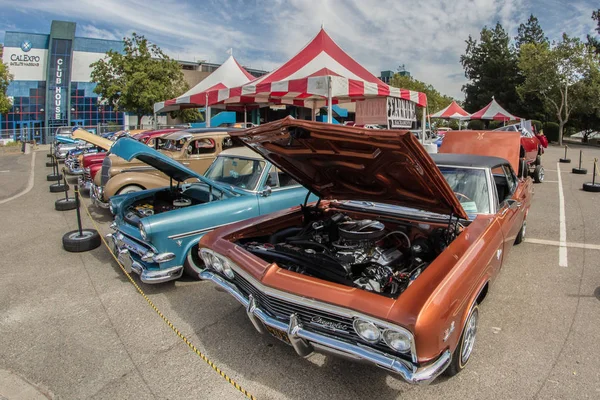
column 551, row 131
column 453, row 124
column 538, row 125
column 495, row 124
column 476, row 125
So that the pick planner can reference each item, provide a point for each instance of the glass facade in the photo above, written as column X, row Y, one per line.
column 86, row 110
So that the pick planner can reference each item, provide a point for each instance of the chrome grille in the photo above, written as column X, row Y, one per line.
column 309, row 317
column 104, row 173
column 87, row 176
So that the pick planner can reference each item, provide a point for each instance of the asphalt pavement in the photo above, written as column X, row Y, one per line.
column 72, row 326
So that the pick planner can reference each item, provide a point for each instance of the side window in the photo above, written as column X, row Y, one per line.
column 511, row 179
column 279, row 179
column 272, row 178
column 201, row 146
column 227, row 143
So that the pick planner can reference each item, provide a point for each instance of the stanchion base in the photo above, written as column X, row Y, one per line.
column 75, row 243
column 564, row 160
column 65, row 204
column 54, row 177
column 591, row 187
column 58, row 187
column 579, row 171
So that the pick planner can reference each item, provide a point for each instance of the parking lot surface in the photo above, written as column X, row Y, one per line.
column 73, row 326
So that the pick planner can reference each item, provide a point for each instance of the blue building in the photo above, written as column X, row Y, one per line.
column 51, row 82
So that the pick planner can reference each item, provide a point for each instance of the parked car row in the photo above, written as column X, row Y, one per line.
column 341, row 240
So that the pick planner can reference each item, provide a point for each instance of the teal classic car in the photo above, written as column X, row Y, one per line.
column 156, row 232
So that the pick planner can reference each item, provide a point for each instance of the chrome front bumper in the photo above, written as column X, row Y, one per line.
column 96, row 196
column 306, row 342
column 123, row 247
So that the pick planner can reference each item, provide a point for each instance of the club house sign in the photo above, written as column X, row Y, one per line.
column 58, row 88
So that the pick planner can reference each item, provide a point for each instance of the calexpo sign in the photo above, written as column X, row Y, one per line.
column 26, row 63
column 24, row 59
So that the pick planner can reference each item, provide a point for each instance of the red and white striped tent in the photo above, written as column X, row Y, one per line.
column 453, row 111
column 320, row 74
column 229, row 74
column 493, row 111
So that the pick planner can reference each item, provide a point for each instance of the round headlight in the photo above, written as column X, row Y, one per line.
column 217, row 264
column 398, row 341
column 206, row 257
column 143, row 232
column 367, row 330
column 227, row 271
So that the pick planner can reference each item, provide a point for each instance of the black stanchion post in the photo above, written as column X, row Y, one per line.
column 579, row 171
column 77, row 208
column 593, row 186
column 66, row 187
column 565, row 160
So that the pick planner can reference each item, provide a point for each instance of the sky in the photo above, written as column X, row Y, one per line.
column 426, row 36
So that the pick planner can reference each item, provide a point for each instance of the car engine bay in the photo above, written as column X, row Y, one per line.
column 369, row 254
column 170, row 199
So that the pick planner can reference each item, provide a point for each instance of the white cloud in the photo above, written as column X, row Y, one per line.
column 92, row 31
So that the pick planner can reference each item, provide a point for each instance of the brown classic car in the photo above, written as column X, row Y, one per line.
column 195, row 148
column 389, row 267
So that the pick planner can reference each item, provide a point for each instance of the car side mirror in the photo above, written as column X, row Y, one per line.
column 513, row 204
column 266, row 192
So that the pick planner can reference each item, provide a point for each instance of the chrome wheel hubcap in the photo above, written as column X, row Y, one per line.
column 469, row 337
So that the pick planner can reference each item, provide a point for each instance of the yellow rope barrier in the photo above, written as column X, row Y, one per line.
column 165, row 319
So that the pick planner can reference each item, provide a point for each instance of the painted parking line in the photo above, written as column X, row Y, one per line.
column 29, row 182
column 575, row 245
column 562, row 250
column 545, row 181
column 5, row 171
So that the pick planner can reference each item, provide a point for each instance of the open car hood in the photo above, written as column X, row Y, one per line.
column 501, row 144
column 96, row 140
column 129, row 149
column 347, row 163
column 66, row 139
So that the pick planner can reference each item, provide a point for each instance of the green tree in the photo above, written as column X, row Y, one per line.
column 435, row 100
column 491, row 66
column 134, row 80
column 592, row 41
column 5, row 79
column 563, row 75
column 530, row 32
column 188, row 115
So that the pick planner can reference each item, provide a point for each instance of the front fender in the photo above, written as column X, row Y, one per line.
column 143, row 180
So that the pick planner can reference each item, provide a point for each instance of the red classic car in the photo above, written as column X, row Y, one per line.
column 531, row 151
column 389, row 267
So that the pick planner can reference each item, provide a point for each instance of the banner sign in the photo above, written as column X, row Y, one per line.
column 371, row 111
column 400, row 113
column 58, row 80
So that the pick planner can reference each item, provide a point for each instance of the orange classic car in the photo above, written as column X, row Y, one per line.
column 389, row 267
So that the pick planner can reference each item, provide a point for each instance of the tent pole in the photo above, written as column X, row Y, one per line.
column 329, row 101
column 314, row 111
column 423, row 119
column 245, row 117
column 206, row 111
column 155, row 122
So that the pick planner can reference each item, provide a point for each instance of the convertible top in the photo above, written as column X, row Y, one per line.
column 468, row 160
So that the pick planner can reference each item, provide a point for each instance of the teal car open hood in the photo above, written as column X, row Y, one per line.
column 129, row 149
column 66, row 139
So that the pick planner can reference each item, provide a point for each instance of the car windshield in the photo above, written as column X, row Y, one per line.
column 236, row 171
column 470, row 187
